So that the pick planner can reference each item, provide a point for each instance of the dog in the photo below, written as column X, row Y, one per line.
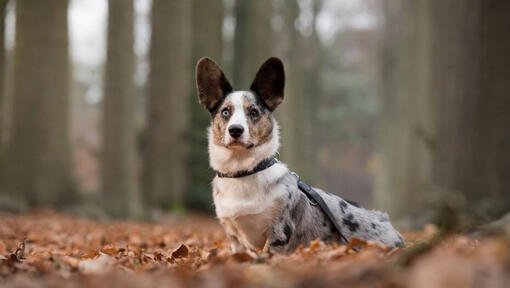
column 256, row 197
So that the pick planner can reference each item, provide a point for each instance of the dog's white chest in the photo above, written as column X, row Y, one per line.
column 252, row 194
column 247, row 206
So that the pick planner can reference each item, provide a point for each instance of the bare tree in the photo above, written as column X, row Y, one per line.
column 253, row 39
column 301, row 55
column 37, row 170
column 3, row 69
column 168, row 104
column 406, row 109
column 207, row 41
column 445, row 109
column 119, row 175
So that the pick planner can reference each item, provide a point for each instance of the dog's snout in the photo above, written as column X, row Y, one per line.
column 235, row 130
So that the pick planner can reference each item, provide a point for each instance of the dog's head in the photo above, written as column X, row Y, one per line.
column 241, row 120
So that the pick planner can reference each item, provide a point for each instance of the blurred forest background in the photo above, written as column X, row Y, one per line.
column 399, row 105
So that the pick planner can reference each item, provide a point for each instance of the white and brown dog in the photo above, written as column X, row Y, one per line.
column 257, row 198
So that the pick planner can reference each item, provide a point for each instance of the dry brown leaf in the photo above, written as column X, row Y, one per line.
column 354, row 245
column 242, row 257
column 315, row 244
column 66, row 248
column 3, row 248
column 110, row 250
column 90, row 255
column 181, row 251
column 70, row 261
column 101, row 264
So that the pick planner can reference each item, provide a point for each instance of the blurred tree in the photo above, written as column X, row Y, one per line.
column 119, row 176
column 253, row 40
column 291, row 119
column 166, row 170
column 312, row 91
column 472, row 103
column 406, row 109
column 207, row 41
column 446, row 106
column 296, row 115
column 37, row 170
column 3, row 69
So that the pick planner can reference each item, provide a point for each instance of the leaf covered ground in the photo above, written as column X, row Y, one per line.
column 46, row 249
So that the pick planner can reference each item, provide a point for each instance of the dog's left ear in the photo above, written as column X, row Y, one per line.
column 270, row 82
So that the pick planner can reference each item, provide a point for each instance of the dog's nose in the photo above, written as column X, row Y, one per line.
column 235, row 130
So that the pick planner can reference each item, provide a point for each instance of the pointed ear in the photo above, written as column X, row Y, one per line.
column 269, row 82
column 212, row 84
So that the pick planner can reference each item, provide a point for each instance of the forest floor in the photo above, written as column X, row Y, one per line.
column 46, row 249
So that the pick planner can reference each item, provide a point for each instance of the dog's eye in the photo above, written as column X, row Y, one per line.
column 254, row 113
column 225, row 113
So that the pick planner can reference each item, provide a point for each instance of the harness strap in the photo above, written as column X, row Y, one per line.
column 305, row 188
column 315, row 197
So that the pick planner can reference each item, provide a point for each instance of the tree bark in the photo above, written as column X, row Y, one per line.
column 253, row 40
column 37, row 170
column 207, row 41
column 472, row 157
column 119, row 176
column 445, row 111
column 290, row 113
column 301, row 58
column 406, row 127
column 3, row 69
column 168, row 104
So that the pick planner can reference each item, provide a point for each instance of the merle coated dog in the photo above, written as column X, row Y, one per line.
column 257, row 198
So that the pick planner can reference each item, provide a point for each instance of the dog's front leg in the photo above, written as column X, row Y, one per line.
column 235, row 245
column 279, row 235
column 232, row 236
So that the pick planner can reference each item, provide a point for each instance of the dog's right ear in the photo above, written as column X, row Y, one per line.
column 212, row 84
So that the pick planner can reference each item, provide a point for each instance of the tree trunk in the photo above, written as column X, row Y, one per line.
column 405, row 129
column 38, row 158
column 207, row 41
column 445, row 111
column 301, row 58
column 252, row 42
column 473, row 155
column 311, row 57
column 290, row 113
column 3, row 69
column 168, row 104
column 119, row 132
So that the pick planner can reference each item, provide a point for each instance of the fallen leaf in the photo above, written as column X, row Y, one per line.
column 110, row 250
column 91, row 255
column 242, row 257
column 66, row 248
column 315, row 244
column 19, row 254
column 101, row 264
column 355, row 245
column 3, row 248
column 180, row 252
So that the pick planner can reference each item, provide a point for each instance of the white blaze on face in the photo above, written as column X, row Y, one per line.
column 238, row 117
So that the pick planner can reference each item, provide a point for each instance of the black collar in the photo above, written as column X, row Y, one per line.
column 264, row 164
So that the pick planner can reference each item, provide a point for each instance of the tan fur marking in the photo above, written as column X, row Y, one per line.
column 220, row 125
column 261, row 129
